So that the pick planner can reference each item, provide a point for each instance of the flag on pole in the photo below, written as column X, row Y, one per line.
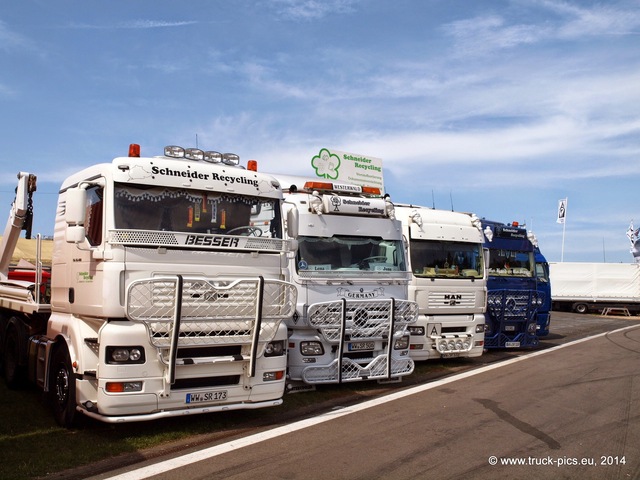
column 562, row 210
column 632, row 234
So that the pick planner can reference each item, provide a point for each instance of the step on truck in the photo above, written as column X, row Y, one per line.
column 162, row 299
column 351, row 273
column 512, row 293
column 448, row 282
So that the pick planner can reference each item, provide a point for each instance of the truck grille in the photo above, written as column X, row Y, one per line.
column 209, row 312
column 447, row 300
column 365, row 319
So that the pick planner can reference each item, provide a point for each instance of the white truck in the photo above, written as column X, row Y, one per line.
column 351, row 273
column 162, row 302
column 449, row 282
column 583, row 287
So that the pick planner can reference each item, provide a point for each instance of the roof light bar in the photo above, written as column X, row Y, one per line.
column 230, row 159
column 212, row 157
column 174, row 151
column 194, row 154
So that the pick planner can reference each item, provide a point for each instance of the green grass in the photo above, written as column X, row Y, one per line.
column 32, row 445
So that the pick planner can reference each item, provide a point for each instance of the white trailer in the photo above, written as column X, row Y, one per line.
column 583, row 287
column 351, row 273
column 448, row 282
column 162, row 300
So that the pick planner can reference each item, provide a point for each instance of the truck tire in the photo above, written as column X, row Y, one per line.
column 63, row 388
column 14, row 373
column 580, row 308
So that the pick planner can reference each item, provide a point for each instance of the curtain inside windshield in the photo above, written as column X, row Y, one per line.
column 193, row 211
column 510, row 263
column 430, row 258
column 349, row 253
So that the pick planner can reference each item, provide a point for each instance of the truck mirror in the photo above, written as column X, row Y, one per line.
column 76, row 201
column 292, row 222
column 74, row 234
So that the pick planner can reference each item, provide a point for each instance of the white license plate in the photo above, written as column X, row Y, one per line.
column 361, row 346
column 450, row 355
column 206, row 396
column 512, row 344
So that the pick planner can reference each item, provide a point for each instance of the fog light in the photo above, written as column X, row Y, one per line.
column 311, row 348
column 123, row 387
column 273, row 376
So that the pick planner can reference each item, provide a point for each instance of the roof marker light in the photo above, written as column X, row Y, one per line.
column 252, row 165
column 371, row 190
column 318, row 186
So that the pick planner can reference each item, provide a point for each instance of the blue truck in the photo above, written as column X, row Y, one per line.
column 513, row 298
column 544, row 291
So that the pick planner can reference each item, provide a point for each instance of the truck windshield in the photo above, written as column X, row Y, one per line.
column 349, row 253
column 432, row 258
column 139, row 207
column 511, row 263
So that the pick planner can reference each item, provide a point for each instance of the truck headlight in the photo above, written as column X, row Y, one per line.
column 311, row 348
column 401, row 343
column 481, row 328
column 126, row 355
column 274, row 349
column 416, row 330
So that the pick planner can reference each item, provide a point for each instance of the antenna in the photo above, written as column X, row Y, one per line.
column 196, row 140
column 433, row 199
column 451, row 198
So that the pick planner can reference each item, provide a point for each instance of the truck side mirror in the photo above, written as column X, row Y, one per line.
column 76, row 201
column 292, row 222
column 74, row 215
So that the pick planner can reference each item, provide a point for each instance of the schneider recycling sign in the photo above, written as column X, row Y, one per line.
column 348, row 168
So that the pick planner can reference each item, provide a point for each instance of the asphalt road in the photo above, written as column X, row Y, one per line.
column 569, row 409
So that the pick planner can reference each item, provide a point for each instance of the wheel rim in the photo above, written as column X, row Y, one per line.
column 62, row 386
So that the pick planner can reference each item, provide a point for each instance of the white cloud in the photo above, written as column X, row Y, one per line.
column 313, row 9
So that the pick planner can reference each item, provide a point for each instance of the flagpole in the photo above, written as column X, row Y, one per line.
column 562, row 218
column 564, row 226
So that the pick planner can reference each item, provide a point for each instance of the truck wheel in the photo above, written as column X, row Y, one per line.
column 63, row 388
column 13, row 371
column 580, row 308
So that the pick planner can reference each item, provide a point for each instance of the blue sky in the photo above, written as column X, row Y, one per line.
column 500, row 108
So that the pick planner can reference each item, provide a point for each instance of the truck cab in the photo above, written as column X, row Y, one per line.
column 448, row 282
column 351, row 273
column 165, row 301
column 512, row 299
